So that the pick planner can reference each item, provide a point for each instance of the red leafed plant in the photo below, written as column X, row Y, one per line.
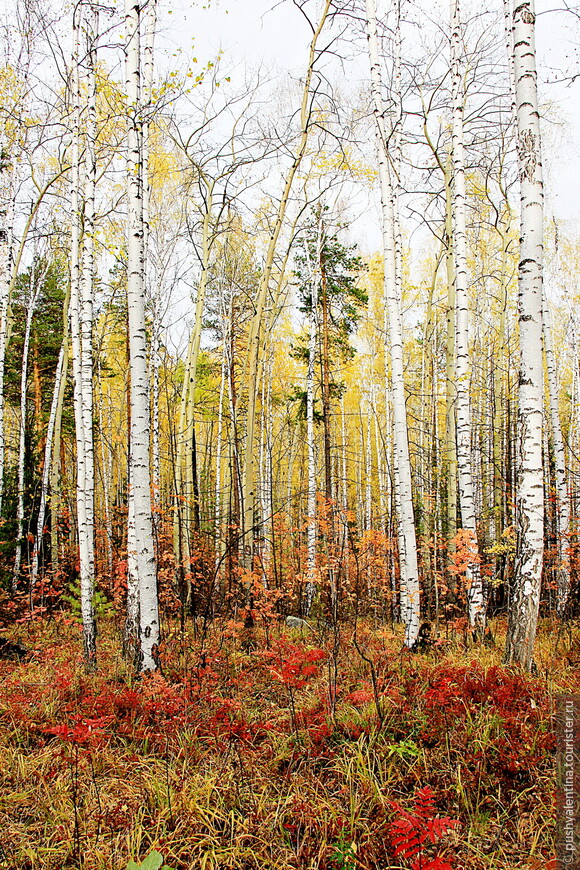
column 292, row 666
column 82, row 732
column 421, row 827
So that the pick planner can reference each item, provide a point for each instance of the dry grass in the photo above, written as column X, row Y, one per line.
column 207, row 766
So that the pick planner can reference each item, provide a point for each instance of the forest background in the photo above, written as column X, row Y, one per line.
column 262, row 354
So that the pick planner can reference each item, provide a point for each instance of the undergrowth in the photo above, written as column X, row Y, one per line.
column 258, row 759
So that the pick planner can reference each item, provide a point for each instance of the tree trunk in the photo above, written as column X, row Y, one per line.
column 410, row 605
column 562, row 505
column 310, row 438
column 254, row 342
column 525, row 599
column 36, row 278
column 80, row 312
column 475, row 602
column 142, row 543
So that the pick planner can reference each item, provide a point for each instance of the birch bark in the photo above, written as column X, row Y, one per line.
column 60, row 375
column 525, row 599
column 7, row 179
column 80, row 314
column 36, row 278
column 87, row 561
column 310, row 436
column 562, row 497
column 475, row 602
column 141, row 544
column 410, row 605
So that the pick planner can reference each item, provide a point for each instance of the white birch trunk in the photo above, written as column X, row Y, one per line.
column 475, row 602
column 525, row 600
column 7, row 181
column 562, row 498
column 87, row 542
column 106, row 482
column 410, row 604
column 218, row 526
column 77, row 331
column 60, row 375
column 344, row 491
column 368, row 472
column 381, row 475
column 148, row 75
column 141, row 544
column 35, row 280
column 310, row 438
column 55, row 465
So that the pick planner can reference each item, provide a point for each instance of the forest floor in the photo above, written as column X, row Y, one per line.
column 278, row 752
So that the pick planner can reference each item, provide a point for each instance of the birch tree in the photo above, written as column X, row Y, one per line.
column 525, row 598
column 83, row 180
column 475, row 602
column 255, row 335
column 34, row 284
column 561, row 483
column 310, row 436
column 410, row 605
column 141, row 542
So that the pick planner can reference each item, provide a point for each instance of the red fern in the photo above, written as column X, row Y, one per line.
column 414, row 830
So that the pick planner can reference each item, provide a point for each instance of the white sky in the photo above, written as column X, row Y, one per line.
column 258, row 31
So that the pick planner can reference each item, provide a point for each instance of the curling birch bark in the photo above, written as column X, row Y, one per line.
column 525, row 599
column 475, row 602
column 410, row 605
column 141, row 543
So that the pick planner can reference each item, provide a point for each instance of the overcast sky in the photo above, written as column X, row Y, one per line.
column 276, row 35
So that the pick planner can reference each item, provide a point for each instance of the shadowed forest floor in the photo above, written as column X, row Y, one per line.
column 276, row 751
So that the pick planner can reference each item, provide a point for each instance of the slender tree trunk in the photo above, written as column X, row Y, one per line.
column 410, row 605
column 562, row 505
column 7, row 195
column 46, row 472
column 525, row 599
column 80, row 312
column 475, row 602
column 254, row 342
column 218, row 519
column 55, row 464
column 141, row 543
column 9, row 268
column 476, row 610
column 310, row 438
column 450, row 388
column 183, row 468
column 36, row 278
column 51, row 459
column 86, row 329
